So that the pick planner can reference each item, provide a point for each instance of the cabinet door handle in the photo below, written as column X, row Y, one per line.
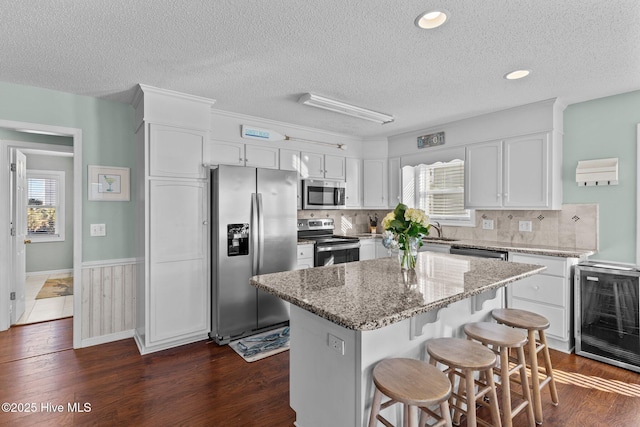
column 536, row 287
column 205, row 222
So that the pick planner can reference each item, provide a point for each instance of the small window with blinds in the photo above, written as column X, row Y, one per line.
column 45, row 205
column 439, row 191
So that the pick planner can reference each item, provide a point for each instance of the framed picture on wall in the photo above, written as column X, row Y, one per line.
column 108, row 184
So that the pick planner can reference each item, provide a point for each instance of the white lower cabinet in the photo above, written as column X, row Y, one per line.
column 381, row 251
column 548, row 294
column 305, row 256
column 367, row 249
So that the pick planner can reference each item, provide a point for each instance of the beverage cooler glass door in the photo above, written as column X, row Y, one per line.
column 607, row 316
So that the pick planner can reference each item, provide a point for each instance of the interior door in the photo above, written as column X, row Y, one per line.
column 19, row 238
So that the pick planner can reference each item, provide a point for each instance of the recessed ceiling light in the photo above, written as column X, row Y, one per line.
column 517, row 74
column 431, row 19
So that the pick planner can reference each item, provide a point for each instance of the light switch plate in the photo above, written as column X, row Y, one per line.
column 487, row 224
column 98, row 230
column 524, row 226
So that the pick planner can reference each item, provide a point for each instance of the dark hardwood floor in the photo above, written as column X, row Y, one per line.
column 203, row 384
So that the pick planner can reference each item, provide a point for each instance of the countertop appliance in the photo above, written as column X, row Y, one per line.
column 329, row 249
column 606, row 313
column 482, row 253
column 323, row 194
column 254, row 232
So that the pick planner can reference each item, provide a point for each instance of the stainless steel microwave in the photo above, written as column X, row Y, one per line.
column 322, row 194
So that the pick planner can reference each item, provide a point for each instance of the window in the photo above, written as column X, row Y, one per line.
column 45, row 205
column 438, row 189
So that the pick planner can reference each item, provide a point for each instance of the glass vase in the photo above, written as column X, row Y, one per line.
column 407, row 256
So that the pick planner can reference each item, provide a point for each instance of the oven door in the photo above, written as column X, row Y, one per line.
column 337, row 254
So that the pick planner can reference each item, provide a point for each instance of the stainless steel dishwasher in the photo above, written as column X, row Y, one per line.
column 481, row 253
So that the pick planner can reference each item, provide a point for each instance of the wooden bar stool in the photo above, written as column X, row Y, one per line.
column 501, row 339
column 415, row 384
column 463, row 358
column 532, row 322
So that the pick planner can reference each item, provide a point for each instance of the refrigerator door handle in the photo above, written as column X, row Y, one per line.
column 254, row 234
column 260, row 233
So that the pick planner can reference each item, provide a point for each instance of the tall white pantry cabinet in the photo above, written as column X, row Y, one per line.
column 172, row 245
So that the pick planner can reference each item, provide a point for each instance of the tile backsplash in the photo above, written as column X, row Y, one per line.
column 348, row 221
column 574, row 226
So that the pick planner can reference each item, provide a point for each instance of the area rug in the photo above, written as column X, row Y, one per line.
column 56, row 288
column 262, row 345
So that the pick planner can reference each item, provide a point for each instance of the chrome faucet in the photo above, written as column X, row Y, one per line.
column 438, row 227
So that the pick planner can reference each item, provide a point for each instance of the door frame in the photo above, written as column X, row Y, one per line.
column 5, row 215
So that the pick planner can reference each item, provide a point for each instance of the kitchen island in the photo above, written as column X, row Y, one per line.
column 347, row 317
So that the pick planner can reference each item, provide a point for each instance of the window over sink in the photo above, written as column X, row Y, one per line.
column 438, row 189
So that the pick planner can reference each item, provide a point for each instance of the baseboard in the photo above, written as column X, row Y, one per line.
column 165, row 346
column 103, row 339
column 49, row 272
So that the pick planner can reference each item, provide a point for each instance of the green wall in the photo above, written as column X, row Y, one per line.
column 108, row 140
column 604, row 128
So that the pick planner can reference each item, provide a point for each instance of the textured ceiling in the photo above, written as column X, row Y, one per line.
column 257, row 57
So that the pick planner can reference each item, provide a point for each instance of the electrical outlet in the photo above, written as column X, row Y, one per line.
column 336, row 344
column 524, row 226
column 487, row 224
column 98, row 230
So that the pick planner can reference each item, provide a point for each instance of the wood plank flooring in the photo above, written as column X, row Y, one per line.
column 203, row 384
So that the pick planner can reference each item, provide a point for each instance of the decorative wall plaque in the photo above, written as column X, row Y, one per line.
column 431, row 140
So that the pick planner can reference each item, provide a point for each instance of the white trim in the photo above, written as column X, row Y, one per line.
column 110, row 262
column 5, row 238
column 103, row 339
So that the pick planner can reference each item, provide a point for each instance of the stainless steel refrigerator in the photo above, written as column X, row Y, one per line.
column 254, row 214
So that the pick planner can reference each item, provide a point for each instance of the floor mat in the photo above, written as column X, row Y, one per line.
column 56, row 288
column 262, row 345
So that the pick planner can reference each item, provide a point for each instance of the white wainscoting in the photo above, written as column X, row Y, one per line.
column 108, row 301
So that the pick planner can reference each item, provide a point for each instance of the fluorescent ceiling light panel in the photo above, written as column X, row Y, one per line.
column 342, row 108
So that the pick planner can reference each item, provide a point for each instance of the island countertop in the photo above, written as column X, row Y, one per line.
column 368, row 295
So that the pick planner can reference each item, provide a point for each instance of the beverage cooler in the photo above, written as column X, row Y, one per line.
column 606, row 313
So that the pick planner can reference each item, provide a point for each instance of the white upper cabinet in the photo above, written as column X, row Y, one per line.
column 526, row 172
column 289, row 160
column 176, row 152
column 315, row 165
column 334, row 167
column 514, row 173
column 374, row 186
column 237, row 154
column 353, row 192
column 311, row 165
column 483, row 175
column 395, row 192
column 261, row 157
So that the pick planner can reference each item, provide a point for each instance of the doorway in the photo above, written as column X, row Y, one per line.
column 48, row 290
column 6, row 250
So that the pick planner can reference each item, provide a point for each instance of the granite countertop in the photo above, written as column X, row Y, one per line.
column 368, row 295
column 525, row 248
column 306, row 242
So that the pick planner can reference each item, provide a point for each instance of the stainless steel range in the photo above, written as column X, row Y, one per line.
column 329, row 248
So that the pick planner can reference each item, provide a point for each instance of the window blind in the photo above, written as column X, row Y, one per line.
column 440, row 190
column 42, row 205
